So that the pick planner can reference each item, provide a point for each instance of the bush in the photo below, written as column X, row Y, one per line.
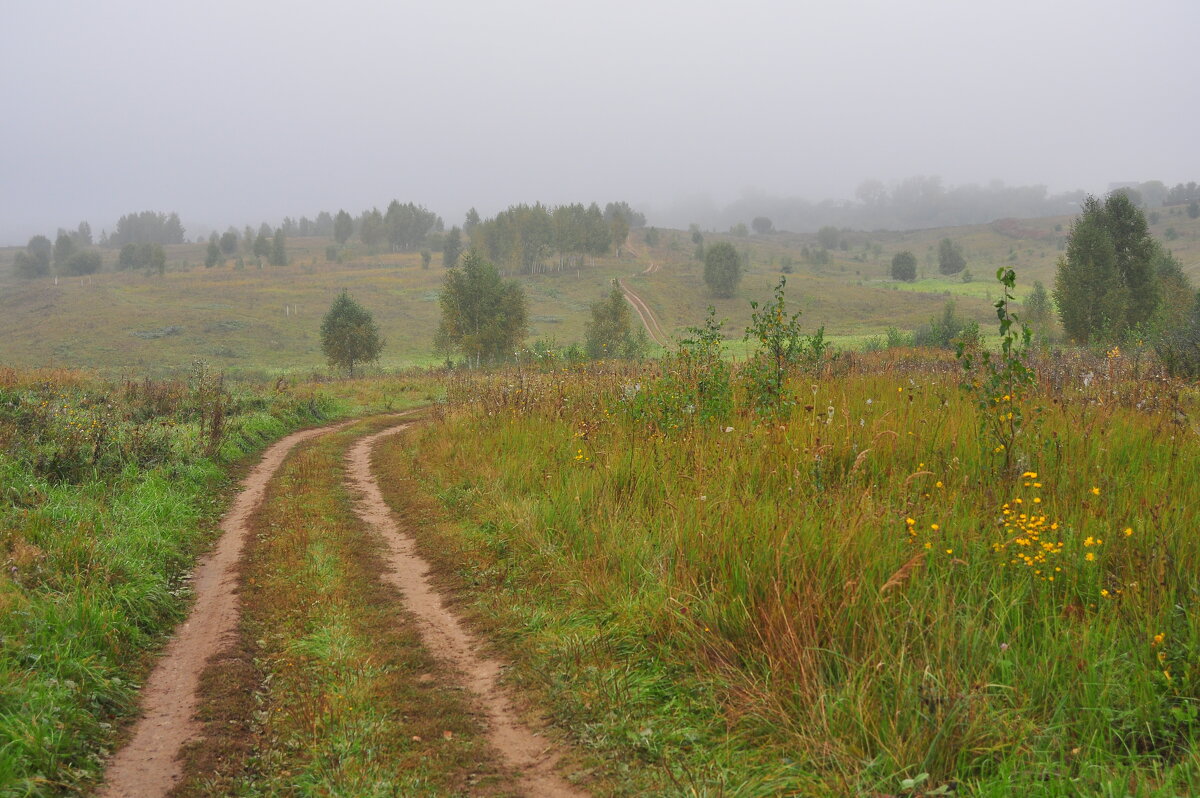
column 82, row 262
column 944, row 332
column 904, row 267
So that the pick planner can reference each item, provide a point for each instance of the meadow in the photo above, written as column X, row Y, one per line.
column 857, row 590
column 259, row 323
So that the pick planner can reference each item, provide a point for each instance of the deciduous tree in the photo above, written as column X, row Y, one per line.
column 452, row 248
column 484, row 318
column 609, row 332
column 343, row 227
column 1106, row 283
column 349, row 335
column 950, row 257
column 904, row 266
column 722, row 269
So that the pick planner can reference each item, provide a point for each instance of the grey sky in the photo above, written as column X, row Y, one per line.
column 236, row 112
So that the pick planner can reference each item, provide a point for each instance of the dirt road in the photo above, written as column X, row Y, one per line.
column 149, row 763
column 149, row 766
column 645, row 314
column 531, row 757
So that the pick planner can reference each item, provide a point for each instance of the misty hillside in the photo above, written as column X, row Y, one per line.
column 264, row 321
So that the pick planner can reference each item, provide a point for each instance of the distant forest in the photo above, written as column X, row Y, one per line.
column 912, row 204
column 530, row 238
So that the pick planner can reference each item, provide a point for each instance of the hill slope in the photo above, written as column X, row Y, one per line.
column 261, row 322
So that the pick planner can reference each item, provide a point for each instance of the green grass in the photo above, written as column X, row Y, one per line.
column 741, row 606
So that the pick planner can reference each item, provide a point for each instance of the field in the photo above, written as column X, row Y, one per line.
column 260, row 323
column 850, row 571
column 844, row 595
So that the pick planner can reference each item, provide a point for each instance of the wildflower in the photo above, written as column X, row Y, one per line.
column 1090, row 556
column 1128, row 531
column 1158, row 638
column 939, row 483
column 1095, row 491
column 934, row 527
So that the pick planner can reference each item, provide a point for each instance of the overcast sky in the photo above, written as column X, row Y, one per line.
column 237, row 112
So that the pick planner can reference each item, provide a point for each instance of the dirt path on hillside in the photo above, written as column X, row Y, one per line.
column 531, row 757
column 645, row 314
column 148, row 766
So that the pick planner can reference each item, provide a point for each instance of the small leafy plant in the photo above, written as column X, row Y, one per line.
column 782, row 347
column 1001, row 382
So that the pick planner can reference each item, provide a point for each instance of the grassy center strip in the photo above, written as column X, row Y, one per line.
column 328, row 690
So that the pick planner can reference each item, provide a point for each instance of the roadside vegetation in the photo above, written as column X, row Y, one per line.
column 882, row 575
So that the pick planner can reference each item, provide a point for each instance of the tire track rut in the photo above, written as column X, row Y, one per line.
column 645, row 314
column 148, row 765
column 531, row 757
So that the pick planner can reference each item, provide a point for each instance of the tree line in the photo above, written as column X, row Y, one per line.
column 913, row 203
column 529, row 239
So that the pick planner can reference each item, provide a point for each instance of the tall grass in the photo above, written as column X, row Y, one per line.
column 862, row 588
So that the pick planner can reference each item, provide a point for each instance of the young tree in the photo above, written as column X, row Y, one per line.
column 484, row 318
column 34, row 260
column 609, row 333
column 762, row 225
column 64, row 248
column 85, row 261
column 904, row 266
column 452, row 248
column 343, row 227
column 722, row 269
column 1106, row 283
column 229, row 243
column 213, row 255
column 1037, row 305
column 262, row 245
column 278, row 250
column 828, row 237
column 426, row 258
column 349, row 335
column 373, row 230
column 950, row 257
column 471, row 220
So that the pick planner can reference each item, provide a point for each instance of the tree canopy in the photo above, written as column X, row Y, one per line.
column 722, row 269
column 34, row 260
column 484, row 318
column 349, row 335
column 950, row 257
column 904, row 266
column 609, row 332
column 1106, row 283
